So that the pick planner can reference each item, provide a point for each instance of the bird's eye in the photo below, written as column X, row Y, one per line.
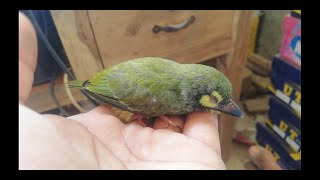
column 214, row 99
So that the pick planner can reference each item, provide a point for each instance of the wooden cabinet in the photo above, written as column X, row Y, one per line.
column 105, row 38
column 96, row 39
column 123, row 35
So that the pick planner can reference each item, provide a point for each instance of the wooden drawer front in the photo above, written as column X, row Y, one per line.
column 124, row 35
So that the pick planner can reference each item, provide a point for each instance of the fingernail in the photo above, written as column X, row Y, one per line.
column 254, row 151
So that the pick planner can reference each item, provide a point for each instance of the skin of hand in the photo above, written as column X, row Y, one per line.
column 98, row 140
column 262, row 158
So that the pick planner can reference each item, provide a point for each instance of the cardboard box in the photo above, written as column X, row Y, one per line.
column 284, row 122
column 285, row 156
column 291, row 43
column 286, row 83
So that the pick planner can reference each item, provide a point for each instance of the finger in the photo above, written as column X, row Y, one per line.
column 101, row 114
column 178, row 122
column 28, row 50
column 144, row 122
column 136, row 122
column 103, row 109
column 100, row 121
column 203, row 126
column 263, row 158
column 165, row 146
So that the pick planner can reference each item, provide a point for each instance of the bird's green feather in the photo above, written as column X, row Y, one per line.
column 154, row 86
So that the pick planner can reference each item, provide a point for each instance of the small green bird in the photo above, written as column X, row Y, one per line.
column 155, row 87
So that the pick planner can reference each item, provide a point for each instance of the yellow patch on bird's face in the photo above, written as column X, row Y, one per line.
column 217, row 96
column 207, row 101
column 212, row 100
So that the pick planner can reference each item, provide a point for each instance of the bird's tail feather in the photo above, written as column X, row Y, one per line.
column 75, row 84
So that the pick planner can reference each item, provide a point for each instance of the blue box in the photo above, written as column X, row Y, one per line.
column 285, row 156
column 284, row 122
column 286, row 83
column 280, row 110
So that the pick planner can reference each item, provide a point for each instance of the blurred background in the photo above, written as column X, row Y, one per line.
column 259, row 51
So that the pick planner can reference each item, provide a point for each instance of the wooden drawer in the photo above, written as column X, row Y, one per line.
column 124, row 35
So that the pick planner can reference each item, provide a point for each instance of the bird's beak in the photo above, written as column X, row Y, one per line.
column 230, row 108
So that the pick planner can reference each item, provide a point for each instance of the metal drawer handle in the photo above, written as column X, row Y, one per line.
column 173, row 28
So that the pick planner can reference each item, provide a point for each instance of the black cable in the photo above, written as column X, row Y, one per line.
column 45, row 24
column 50, row 48
column 56, row 57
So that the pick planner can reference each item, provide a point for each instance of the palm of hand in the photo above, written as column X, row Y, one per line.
column 98, row 140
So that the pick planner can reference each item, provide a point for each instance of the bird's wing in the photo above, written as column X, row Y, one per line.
column 137, row 86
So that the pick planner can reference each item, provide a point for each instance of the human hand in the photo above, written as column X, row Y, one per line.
column 98, row 140
column 262, row 159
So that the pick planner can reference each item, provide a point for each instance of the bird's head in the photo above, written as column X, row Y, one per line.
column 219, row 97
